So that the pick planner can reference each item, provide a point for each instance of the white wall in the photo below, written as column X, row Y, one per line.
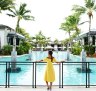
column 83, row 41
column 2, row 38
column 5, row 36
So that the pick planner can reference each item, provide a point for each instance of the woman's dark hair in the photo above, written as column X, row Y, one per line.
column 50, row 53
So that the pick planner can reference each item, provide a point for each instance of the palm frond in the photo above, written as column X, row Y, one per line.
column 28, row 17
column 83, row 22
column 94, row 8
column 13, row 11
column 79, row 9
column 89, row 3
column 6, row 4
column 22, row 8
column 11, row 15
column 26, row 11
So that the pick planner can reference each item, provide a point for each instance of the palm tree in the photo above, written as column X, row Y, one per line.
column 56, row 41
column 66, row 27
column 65, row 42
column 20, row 13
column 88, row 9
column 24, row 33
column 6, row 4
column 40, row 39
column 74, row 22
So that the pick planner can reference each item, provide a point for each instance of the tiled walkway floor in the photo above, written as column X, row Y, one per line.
column 44, row 89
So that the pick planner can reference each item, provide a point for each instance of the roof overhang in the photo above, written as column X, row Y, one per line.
column 12, row 34
column 5, row 27
column 91, row 33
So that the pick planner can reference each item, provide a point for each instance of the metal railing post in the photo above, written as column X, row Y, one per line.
column 33, row 76
column 59, row 75
column 88, row 76
column 6, row 76
column 62, row 74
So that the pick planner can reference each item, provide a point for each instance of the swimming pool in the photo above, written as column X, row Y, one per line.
column 70, row 77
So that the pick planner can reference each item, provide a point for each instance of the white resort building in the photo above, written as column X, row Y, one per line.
column 88, row 38
column 7, row 34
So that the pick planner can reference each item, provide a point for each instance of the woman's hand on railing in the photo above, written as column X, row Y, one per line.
column 36, row 61
column 62, row 61
column 58, row 62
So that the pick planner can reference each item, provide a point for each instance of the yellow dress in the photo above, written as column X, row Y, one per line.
column 49, row 72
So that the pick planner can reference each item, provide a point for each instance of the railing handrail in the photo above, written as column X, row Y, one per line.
column 8, row 64
column 41, row 62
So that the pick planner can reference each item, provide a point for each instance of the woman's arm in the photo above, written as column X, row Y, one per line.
column 39, row 61
column 59, row 62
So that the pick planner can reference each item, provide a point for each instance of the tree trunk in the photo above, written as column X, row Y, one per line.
column 17, row 26
column 89, row 33
column 89, row 23
column 16, row 30
column 14, row 53
column 69, row 42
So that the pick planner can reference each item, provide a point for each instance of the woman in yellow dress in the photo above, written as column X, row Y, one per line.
column 49, row 72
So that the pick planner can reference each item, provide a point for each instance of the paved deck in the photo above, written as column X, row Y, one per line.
column 44, row 89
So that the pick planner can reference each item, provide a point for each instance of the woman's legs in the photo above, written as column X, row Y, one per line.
column 50, row 85
column 47, row 84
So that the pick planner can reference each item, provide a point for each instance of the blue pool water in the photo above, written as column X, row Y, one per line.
column 71, row 76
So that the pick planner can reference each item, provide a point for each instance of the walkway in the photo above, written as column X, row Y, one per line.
column 44, row 89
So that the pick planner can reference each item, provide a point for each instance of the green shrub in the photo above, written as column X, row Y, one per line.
column 23, row 48
column 76, row 49
column 6, row 50
column 90, row 50
column 20, row 50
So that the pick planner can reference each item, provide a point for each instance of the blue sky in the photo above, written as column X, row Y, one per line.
column 49, row 14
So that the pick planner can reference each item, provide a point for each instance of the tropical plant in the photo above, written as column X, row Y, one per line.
column 76, row 48
column 25, row 46
column 74, row 35
column 92, row 48
column 56, row 41
column 6, row 4
column 66, row 27
column 71, row 24
column 65, row 42
column 88, row 9
column 23, row 32
column 21, row 13
column 6, row 50
column 40, row 39
column 73, row 21
column 21, row 50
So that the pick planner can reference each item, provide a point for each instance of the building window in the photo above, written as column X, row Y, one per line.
column 17, row 41
column 93, row 40
column 85, row 40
